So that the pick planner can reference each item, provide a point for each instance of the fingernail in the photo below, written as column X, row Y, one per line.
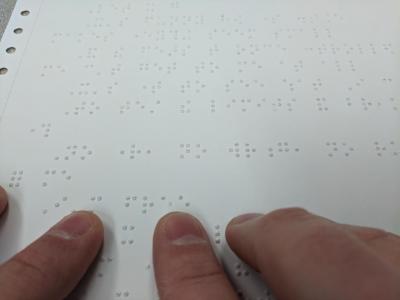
column 244, row 218
column 72, row 226
column 182, row 229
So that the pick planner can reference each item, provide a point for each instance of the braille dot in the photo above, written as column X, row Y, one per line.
column 3, row 71
column 18, row 30
column 11, row 50
column 25, row 13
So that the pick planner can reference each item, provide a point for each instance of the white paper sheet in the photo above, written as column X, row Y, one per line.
column 135, row 108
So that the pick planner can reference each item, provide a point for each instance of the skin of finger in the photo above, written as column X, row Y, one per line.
column 304, row 257
column 3, row 200
column 384, row 243
column 367, row 233
column 51, row 266
column 188, row 271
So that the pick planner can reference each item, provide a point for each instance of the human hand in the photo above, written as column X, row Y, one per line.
column 301, row 256
column 307, row 258
column 51, row 267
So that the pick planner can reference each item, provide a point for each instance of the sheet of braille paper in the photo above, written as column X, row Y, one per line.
column 136, row 108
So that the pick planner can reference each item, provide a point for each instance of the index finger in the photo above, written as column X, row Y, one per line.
column 184, row 262
column 52, row 265
column 306, row 257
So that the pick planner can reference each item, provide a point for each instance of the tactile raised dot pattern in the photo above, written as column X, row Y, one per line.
column 136, row 108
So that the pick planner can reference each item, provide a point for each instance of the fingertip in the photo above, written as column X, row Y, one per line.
column 3, row 200
column 51, row 266
column 161, row 223
column 94, row 219
column 184, row 262
column 289, row 214
column 248, row 233
column 243, row 218
column 179, row 227
column 238, row 222
column 97, row 227
column 173, row 215
column 79, row 224
column 282, row 215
